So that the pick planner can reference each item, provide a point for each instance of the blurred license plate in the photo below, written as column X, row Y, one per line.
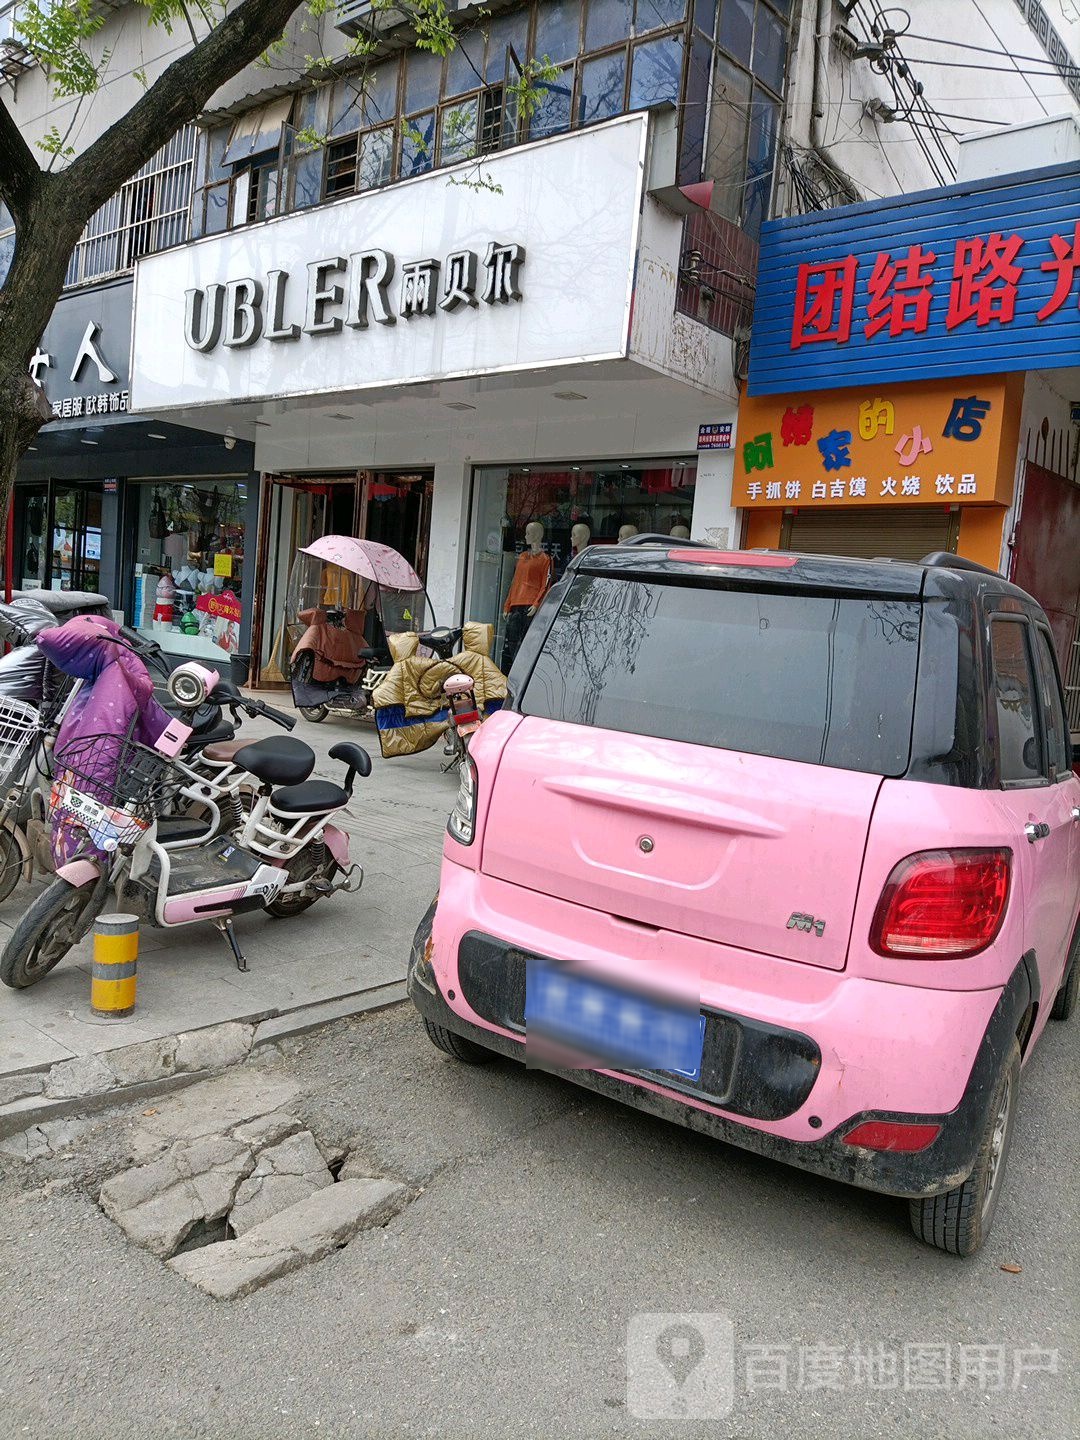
column 614, row 1026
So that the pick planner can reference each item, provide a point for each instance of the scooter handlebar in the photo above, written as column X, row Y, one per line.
column 256, row 707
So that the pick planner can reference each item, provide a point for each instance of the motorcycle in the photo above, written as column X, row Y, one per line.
column 345, row 597
column 110, row 790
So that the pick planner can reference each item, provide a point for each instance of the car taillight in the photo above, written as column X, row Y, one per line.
column 942, row 904
column 462, row 823
column 895, row 1135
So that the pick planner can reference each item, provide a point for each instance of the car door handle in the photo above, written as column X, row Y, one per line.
column 1036, row 830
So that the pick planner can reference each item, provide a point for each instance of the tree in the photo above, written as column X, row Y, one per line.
column 50, row 205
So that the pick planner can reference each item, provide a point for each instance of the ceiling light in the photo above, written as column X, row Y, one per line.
column 575, row 467
column 624, row 467
column 569, row 395
column 155, row 435
column 88, row 442
column 525, row 470
column 458, row 405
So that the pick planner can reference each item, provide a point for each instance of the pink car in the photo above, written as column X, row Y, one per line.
column 784, row 848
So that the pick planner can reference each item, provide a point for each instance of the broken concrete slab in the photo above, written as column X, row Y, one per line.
column 140, row 1064
column 213, row 1048
column 158, row 1204
column 42, row 1140
column 21, row 1086
column 216, row 1105
column 284, row 1174
column 267, row 1129
column 298, row 1236
column 85, row 1075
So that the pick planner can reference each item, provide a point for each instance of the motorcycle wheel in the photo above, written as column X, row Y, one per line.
column 314, row 713
column 11, row 863
column 55, row 922
column 301, row 867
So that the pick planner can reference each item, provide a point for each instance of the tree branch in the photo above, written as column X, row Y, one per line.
column 20, row 174
column 174, row 99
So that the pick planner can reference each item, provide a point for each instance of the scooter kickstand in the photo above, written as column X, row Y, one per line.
column 225, row 926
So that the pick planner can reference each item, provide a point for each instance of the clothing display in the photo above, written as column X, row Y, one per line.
column 532, row 580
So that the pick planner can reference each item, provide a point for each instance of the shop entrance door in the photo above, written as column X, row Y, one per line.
column 389, row 506
column 58, row 537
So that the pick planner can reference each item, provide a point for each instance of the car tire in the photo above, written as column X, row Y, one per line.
column 456, row 1045
column 960, row 1220
column 1065, row 999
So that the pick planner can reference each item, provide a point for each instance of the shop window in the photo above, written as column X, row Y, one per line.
column 608, row 22
column 552, row 113
column 457, row 131
column 575, row 504
column 376, row 162
column 736, row 32
column 7, row 241
column 558, row 30
column 770, row 49
column 603, row 87
column 189, row 562
column 418, row 143
column 657, row 73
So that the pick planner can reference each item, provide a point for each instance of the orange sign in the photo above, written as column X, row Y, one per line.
column 941, row 442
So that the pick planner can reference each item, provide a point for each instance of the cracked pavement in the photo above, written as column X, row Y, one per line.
column 496, row 1304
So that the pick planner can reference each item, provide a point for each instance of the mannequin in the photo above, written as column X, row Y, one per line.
column 531, row 582
column 679, row 532
column 626, row 531
column 580, row 535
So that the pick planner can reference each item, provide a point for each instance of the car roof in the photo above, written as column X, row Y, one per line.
column 939, row 575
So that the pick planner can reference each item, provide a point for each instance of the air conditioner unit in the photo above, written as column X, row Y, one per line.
column 363, row 17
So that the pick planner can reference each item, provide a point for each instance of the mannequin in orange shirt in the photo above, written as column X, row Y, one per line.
column 532, row 580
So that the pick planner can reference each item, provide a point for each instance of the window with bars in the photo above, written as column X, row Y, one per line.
column 148, row 213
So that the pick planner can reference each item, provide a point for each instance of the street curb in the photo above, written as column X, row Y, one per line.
column 22, row 1114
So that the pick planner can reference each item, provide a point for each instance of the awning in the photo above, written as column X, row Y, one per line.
column 258, row 131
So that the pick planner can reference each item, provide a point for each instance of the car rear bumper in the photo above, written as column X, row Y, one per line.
column 801, row 1077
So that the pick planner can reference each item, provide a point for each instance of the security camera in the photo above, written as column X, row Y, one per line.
column 230, row 439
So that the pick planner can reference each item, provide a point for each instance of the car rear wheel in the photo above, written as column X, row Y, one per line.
column 456, row 1045
column 960, row 1220
column 1065, row 999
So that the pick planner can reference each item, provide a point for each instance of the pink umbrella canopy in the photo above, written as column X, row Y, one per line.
column 368, row 559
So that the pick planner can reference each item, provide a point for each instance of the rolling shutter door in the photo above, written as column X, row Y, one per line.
column 906, row 533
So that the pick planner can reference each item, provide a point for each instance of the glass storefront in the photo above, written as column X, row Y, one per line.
column 189, row 563
column 529, row 520
column 58, row 537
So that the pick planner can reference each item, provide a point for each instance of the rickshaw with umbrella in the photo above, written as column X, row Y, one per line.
column 345, row 597
column 355, row 614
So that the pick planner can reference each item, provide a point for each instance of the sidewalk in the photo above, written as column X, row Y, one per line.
column 344, row 946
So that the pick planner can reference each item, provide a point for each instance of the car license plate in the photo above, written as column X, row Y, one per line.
column 611, row 1025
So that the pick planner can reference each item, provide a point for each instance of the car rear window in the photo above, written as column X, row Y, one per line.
column 824, row 679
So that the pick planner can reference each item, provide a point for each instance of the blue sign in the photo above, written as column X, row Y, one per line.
column 976, row 279
column 714, row 437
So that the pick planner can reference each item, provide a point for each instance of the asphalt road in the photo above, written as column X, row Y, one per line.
column 498, row 1304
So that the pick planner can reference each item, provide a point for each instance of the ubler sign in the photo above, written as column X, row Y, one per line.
column 351, row 291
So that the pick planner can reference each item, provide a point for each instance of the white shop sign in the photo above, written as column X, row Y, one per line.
column 425, row 280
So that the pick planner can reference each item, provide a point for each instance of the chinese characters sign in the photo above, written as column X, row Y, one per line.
column 81, row 362
column 977, row 279
column 950, row 442
column 714, row 437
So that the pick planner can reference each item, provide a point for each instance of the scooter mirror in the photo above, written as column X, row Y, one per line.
column 190, row 684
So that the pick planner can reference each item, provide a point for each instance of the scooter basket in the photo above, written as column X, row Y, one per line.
column 20, row 727
column 110, row 787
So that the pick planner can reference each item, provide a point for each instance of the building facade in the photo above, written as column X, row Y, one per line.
column 405, row 297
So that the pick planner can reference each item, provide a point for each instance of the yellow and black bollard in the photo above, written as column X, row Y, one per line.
column 116, row 950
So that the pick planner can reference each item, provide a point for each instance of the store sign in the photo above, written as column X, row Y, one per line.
column 351, row 292
column 947, row 442
column 419, row 281
column 976, row 279
column 81, row 361
column 714, row 437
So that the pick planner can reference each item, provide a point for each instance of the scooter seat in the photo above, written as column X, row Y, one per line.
column 315, row 797
column 225, row 750
column 279, row 760
column 180, row 827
